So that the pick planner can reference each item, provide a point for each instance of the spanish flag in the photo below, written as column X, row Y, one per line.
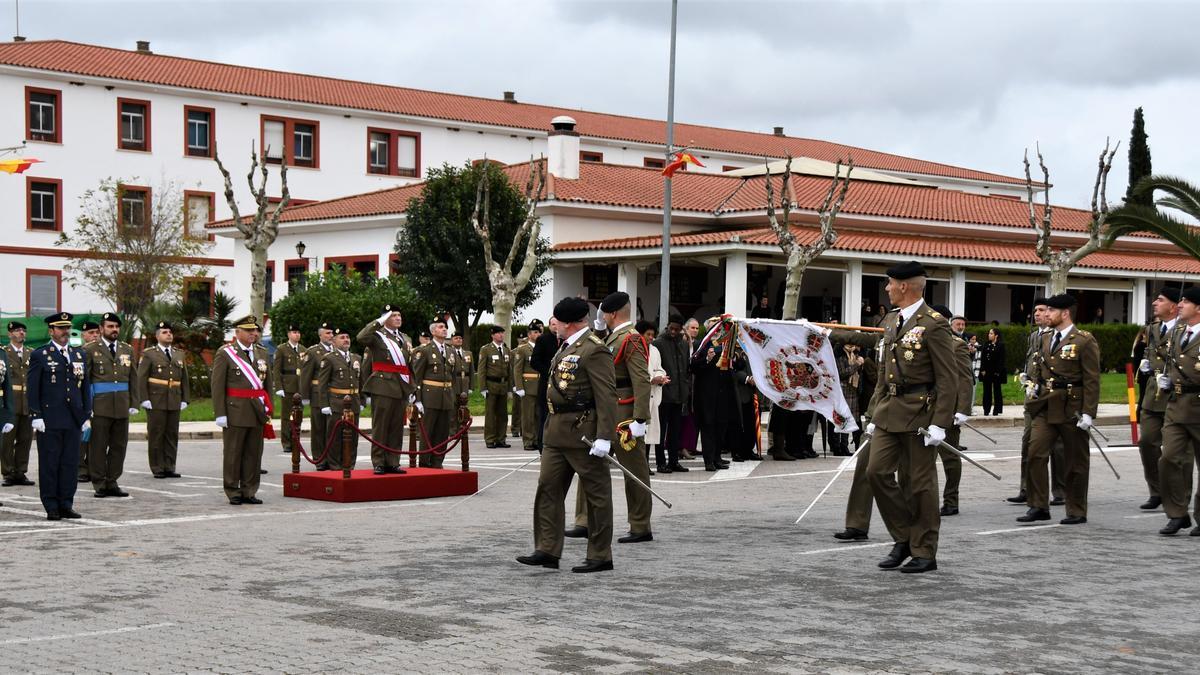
column 17, row 165
column 682, row 159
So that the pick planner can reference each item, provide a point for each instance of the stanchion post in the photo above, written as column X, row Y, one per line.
column 296, row 420
column 348, row 436
column 464, row 414
column 413, row 431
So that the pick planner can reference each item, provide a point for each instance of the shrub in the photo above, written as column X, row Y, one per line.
column 346, row 300
column 1115, row 340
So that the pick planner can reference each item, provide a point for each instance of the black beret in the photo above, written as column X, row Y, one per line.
column 570, row 310
column 1061, row 301
column 391, row 308
column 457, row 334
column 425, row 333
column 1170, row 292
column 1039, row 300
column 60, row 320
column 293, row 327
column 340, row 331
column 325, row 325
column 615, row 302
column 90, row 325
column 163, row 325
column 109, row 316
column 495, row 329
column 906, row 270
column 943, row 310
column 537, row 325
column 16, row 325
column 1191, row 294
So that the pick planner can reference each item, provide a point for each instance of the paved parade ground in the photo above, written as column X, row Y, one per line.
column 173, row 579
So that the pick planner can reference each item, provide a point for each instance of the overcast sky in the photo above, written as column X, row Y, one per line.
column 970, row 82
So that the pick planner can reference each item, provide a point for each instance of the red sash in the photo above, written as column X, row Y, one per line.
column 390, row 368
column 268, row 430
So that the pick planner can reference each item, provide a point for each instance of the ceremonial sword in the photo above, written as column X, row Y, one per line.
column 531, row 461
column 628, row 474
column 943, row 444
column 844, row 465
column 1092, row 438
column 973, row 428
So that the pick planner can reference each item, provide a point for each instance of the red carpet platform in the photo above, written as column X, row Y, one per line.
column 365, row 486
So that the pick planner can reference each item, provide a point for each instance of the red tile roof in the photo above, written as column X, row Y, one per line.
column 119, row 64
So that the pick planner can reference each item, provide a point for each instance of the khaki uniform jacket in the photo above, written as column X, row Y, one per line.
column 1033, row 353
column 965, row 392
column 164, row 383
column 240, row 412
column 392, row 385
column 919, row 375
column 18, row 367
column 338, row 377
column 464, row 369
column 1183, row 367
column 581, row 396
column 308, row 371
column 495, row 365
column 631, row 368
column 1069, row 378
column 6, row 411
column 1154, row 399
column 286, row 367
column 437, row 377
column 523, row 375
column 103, row 368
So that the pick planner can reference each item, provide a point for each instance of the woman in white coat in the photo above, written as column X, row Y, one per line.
column 658, row 377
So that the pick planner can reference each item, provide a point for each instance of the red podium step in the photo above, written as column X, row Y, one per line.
column 364, row 486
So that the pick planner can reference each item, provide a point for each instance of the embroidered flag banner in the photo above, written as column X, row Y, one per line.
column 793, row 365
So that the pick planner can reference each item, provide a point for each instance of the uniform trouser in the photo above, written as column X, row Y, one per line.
column 952, row 465
column 858, row 505
column 1150, row 441
column 387, row 427
column 670, row 417
column 242, row 450
column 162, row 435
column 1077, row 459
column 285, row 420
column 14, row 451
column 338, row 447
column 637, row 500
column 543, row 411
column 82, row 468
column 909, row 510
column 517, row 415
column 558, row 466
column 437, row 429
column 1180, row 443
column 319, row 424
column 1057, row 462
column 106, row 451
column 529, row 418
column 58, row 458
column 495, row 418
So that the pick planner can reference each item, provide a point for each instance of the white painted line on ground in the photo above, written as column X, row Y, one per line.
column 736, row 471
column 22, row 523
column 147, row 473
column 981, row 455
column 65, row 521
column 161, row 492
column 95, row 633
column 1147, row 515
column 848, row 546
column 1024, row 528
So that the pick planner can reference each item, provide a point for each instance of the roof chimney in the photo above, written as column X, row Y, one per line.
column 563, row 148
column 18, row 38
column 510, row 97
column 778, row 131
column 143, row 47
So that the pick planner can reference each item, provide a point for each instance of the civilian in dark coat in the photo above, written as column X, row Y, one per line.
column 675, row 395
column 993, row 371
column 543, row 353
column 715, row 406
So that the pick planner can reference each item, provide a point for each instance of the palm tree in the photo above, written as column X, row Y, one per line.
column 1181, row 196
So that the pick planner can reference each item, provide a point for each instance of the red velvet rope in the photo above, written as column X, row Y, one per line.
column 440, row 449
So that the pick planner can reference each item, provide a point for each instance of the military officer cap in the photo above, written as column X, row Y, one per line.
column 537, row 325
column 247, row 322
column 325, row 325
column 60, row 320
column 293, row 327
column 615, row 302
column 15, row 325
column 906, row 270
column 163, row 325
column 1191, row 294
column 1061, row 301
column 110, row 316
column 90, row 325
column 495, row 329
column 1170, row 292
column 571, row 310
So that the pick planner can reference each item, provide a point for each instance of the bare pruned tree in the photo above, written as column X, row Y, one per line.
column 799, row 256
column 1060, row 261
column 260, row 231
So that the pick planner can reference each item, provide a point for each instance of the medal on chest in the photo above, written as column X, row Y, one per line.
column 912, row 340
column 566, row 370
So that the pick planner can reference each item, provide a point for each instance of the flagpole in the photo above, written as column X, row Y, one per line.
column 664, row 291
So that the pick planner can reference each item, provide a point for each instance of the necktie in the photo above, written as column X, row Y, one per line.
column 168, row 352
column 1187, row 337
column 1054, row 342
column 112, row 349
column 1162, row 330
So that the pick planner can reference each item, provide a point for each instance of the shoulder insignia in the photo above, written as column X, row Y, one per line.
column 894, row 309
column 593, row 338
column 935, row 314
column 324, row 363
column 1084, row 332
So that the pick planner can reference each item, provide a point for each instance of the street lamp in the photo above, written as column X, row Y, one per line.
column 300, row 249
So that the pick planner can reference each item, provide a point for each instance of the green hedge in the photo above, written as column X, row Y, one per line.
column 1116, row 341
column 347, row 301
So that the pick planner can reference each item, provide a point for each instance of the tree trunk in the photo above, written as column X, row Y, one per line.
column 791, row 292
column 1058, row 280
column 502, row 308
column 258, row 275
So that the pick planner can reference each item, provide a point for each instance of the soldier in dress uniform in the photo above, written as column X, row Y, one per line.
column 495, row 365
column 1153, row 404
column 241, row 399
column 860, row 502
column 89, row 332
column 14, row 449
column 1028, row 379
column 917, row 389
column 390, row 385
column 339, row 376
column 466, row 362
column 964, row 397
column 162, row 378
column 309, row 370
column 60, row 407
column 6, row 409
column 582, row 422
column 1180, row 383
column 525, row 386
column 286, row 366
column 436, row 374
column 1066, row 396
column 515, row 383
column 112, row 370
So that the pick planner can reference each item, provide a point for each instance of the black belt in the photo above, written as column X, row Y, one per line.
column 902, row 389
column 1059, row 384
column 570, row 407
column 1187, row 389
column 495, row 379
column 288, row 371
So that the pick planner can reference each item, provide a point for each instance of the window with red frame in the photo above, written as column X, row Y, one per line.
column 44, row 204
column 133, row 124
column 291, row 141
column 43, row 115
column 198, row 291
column 199, row 131
column 589, row 156
column 393, row 153
column 134, row 207
column 654, row 163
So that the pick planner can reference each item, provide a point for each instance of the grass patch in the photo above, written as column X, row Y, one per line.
column 1112, row 390
column 200, row 410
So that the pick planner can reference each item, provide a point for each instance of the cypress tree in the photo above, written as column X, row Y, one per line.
column 1139, row 159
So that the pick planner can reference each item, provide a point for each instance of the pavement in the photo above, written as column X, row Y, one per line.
column 173, row 579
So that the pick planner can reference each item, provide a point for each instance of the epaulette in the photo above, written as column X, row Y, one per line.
column 593, row 338
column 894, row 309
column 935, row 314
column 1084, row 332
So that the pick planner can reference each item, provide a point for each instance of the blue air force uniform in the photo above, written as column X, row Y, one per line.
column 59, row 396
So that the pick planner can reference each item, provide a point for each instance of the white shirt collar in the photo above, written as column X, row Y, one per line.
column 614, row 330
column 328, row 347
column 164, row 348
column 242, row 347
column 107, row 344
column 1168, row 325
column 1062, row 334
column 907, row 312
column 575, row 336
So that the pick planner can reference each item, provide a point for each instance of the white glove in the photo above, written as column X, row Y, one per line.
column 182, row 406
column 383, row 317
column 304, row 401
column 870, row 429
column 638, row 429
column 519, row 392
column 1144, row 366
column 600, row 323
column 483, row 392
column 366, row 399
column 7, row 428
column 38, row 425
column 147, row 406
column 87, row 424
column 1023, row 379
column 133, row 411
column 1085, row 422
column 959, row 418
column 279, row 392
column 1164, row 382
column 412, row 398
column 326, row 410
column 599, row 448
column 420, row 407
column 222, row 421
column 936, row 435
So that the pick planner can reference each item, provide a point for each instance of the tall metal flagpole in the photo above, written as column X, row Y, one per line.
column 664, row 291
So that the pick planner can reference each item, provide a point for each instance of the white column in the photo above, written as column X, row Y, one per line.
column 627, row 280
column 736, row 278
column 957, row 298
column 852, row 293
column 1138, row 311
